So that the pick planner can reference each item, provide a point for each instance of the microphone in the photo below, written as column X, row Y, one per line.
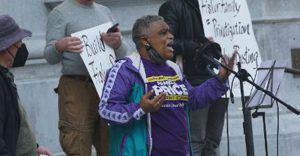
column 211, row 61
column 211, row 49
column 210, row 52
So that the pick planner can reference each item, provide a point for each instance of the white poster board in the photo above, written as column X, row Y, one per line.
column 229, row 23
column 97, row 56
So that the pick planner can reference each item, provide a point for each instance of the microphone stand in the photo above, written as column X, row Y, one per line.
column 247, row 124
column 242, row 75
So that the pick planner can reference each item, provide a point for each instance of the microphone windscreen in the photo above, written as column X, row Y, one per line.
column 204, row 52
column 211, row 49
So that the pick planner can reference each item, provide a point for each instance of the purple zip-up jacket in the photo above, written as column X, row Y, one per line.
column 117, row 109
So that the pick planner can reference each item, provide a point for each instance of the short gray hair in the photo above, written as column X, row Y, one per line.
column 141, row 28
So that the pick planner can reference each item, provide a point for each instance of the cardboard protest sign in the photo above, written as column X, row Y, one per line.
column 97, row 56
column 229, row 23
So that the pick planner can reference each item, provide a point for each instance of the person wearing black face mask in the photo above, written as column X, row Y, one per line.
column 21, row 56
column 184, row 19
column 17, row 137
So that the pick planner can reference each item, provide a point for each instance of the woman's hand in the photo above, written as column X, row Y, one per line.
column 152, row 105
column 229, row 62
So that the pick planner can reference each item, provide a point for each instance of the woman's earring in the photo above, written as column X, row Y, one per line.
column 147, row 46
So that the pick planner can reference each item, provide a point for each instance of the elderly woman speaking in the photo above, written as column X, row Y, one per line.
column 146, row 97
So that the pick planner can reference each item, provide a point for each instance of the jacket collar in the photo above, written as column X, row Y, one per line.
column 137, row 65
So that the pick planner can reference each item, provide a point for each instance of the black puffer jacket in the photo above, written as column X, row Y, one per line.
column 9, row 116
column 184, row 20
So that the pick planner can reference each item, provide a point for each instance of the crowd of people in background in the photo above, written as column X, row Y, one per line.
column 155, row 101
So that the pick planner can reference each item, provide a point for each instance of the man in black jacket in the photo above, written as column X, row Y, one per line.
column 184, row 20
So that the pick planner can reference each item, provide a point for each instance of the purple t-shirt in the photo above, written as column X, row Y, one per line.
column 169, row 123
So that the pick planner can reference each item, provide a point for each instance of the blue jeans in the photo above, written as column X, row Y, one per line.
column 206, row 128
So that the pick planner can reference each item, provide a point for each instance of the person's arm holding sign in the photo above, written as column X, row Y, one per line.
column 114, row 39
column 71, row 44
column 56, row 41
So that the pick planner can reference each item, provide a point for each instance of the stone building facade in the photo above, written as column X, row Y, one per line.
column 277, row 30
